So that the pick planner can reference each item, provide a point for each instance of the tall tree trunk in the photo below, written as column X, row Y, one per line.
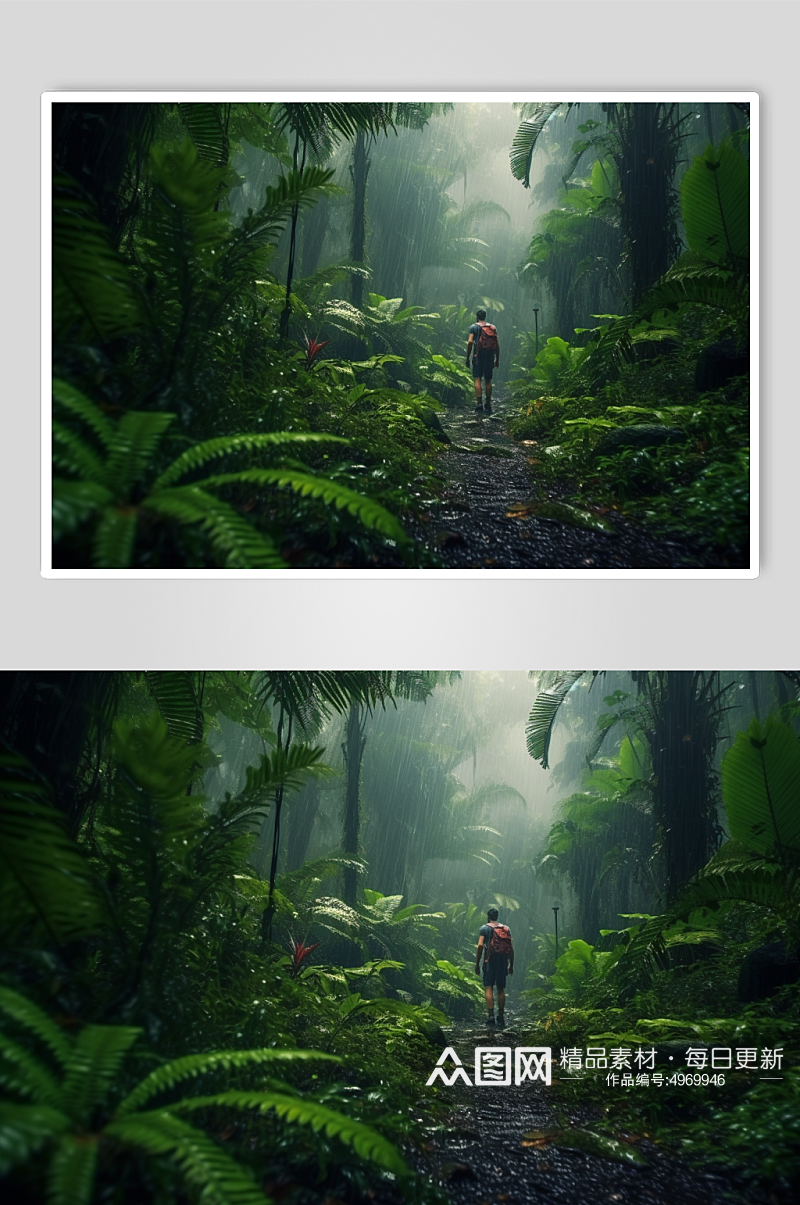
column 286, row 312
column 269, row 913
column 682, row 742
column 646, row 162
column 358, row 231
column 315, row 228
column 302, row 815
column 353, row 749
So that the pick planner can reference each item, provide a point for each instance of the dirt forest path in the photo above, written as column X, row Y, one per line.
column 483, row 521
column 487, row 1153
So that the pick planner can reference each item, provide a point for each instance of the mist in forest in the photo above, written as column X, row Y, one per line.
column 448, row 223
column 453, row 808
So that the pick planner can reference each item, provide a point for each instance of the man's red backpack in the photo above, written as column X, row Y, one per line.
column 501, row 940
column 487, row 341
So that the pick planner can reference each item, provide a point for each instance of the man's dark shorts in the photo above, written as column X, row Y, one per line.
column 494, row 972
column 482, row 364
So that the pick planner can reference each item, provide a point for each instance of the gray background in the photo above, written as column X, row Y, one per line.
column 494, row 623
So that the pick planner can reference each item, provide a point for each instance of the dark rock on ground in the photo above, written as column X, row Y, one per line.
column 431, row 420
column 720, row 363
column 766, row 969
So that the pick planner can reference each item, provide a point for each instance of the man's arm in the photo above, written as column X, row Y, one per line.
column 470, row 341
column 497, row 355
column 480, row 939
column 511, row 960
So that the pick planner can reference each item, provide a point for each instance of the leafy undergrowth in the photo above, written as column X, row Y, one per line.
column 738, row 1123
column 653, row 449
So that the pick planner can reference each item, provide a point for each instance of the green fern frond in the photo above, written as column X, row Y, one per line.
column 368, row 512
column 717, row 289
column 77, row 403
column 70, row 1177
column 25, row 1129
column 92, row 285
column 74, row 502
column 296, row 883
column 97, row 1056
column 44, row 871
column 72, row 454
column 297, row 187
column 23, row 1073
column 526, row 137
column 203, row 1165
column 178, row 703
column 237, row 543
column 227, row 445
column 192, row 1065
column 136, row 437
column 543, row 715
column 158, row 766
column 365, row 1141
column 203, row 122
column 32, row 1018
column 280, row 768
column 114, row 538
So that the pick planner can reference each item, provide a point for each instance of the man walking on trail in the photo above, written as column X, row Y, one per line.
column 498, row 960
column 484, row 347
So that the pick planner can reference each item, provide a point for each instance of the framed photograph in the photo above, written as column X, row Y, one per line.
column 399, row 335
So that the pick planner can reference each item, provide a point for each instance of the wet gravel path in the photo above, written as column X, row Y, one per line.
column 470, row 526
column 482, row 1155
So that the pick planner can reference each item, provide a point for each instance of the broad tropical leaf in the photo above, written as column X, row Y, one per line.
column 760, row 784
column 715, row 203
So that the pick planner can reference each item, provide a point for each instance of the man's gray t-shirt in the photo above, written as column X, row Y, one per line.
column 475, row 331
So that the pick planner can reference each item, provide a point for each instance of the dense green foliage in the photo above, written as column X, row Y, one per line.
column 622, row 420
column 682, row 977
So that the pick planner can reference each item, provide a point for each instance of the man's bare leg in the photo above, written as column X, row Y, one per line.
column 488, row 390
column 478, row 397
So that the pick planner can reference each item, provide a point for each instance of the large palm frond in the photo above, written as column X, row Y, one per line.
column 535, row 118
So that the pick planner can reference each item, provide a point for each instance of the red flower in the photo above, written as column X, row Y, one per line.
column 313, row 348
column 299, row 954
